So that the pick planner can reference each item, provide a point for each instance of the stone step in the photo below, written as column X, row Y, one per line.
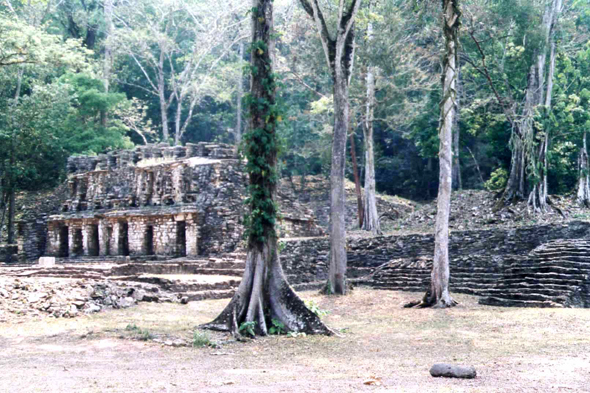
column 567, row 282
column 209, row 295
column 533, row 293
column 498, row 301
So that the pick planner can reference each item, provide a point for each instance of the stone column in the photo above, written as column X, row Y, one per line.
column 85, row 239
column 192, row 236
column 115, row 250
column 103, row 239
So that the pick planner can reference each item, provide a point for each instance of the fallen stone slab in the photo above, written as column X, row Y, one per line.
column 451, row 371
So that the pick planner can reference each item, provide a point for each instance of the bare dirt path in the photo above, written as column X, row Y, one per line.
column 383, row 345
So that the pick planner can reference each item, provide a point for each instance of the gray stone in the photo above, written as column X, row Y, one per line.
column 452, row 371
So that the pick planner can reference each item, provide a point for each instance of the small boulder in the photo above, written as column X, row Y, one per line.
column 451, row 371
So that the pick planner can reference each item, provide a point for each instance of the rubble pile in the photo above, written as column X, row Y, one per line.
column 57, row 298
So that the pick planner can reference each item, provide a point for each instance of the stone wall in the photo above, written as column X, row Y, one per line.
column 307, row 260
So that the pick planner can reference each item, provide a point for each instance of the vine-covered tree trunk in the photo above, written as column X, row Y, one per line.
column 264, row 294
column 339, row 56
column 584, row 177
column 438, row 295
column 370, row 216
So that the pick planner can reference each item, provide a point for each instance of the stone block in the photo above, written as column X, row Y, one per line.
column 47, row 261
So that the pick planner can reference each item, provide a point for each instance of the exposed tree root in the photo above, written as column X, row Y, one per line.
column 263, row 296
column 430, row 301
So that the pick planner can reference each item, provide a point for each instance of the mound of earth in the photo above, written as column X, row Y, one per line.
column 473, row 209
column 313, row 192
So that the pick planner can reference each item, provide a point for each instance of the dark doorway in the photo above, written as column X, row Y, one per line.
column 93, row 241
column 123, row 244
column 181, row 238
column 78, row 243
column 148, row 241
column 64, row 242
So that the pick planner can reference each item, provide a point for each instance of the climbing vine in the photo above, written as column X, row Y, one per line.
column 260, row 144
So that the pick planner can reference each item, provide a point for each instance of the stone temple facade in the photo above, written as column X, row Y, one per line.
column 182, row 201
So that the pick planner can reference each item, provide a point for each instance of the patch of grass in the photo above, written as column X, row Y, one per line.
column 201, row 340
column 138, row 333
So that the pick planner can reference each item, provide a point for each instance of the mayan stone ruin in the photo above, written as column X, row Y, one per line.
column 155, row 200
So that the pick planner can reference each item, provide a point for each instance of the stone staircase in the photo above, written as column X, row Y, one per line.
column 475, row 275
column 556, row 274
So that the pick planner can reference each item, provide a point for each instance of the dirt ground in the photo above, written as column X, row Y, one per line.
column 382, row 348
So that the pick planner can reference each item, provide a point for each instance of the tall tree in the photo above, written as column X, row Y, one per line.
column 370, row 216
column 339, row 52
column 264, row 294
column 539, row 194
column 438, row 294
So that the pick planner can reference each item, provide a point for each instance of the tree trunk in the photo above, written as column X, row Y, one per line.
column 108, row 55
column 339, row 57
column 264, row 294
column 338, row 262
column 538, row 198
column 584, row 176
column 238, row 131
column 177, row 121
column 438, row 295
column 357, row 180
column 370, row 216
column 457, row 181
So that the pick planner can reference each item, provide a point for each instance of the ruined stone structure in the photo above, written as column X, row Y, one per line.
column 158, row 200
column 539, row 266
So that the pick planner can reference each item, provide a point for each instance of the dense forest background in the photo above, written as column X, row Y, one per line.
column 86, row 76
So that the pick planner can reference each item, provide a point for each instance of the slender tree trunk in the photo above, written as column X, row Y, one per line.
column 438, row 295
column 538, row 198
column 238, row 131
column 338, row 262
column 177, row 121
column 264, row 294
column 108, row 55
column 370, row 216
column 10, row 230
column 339, row 57
column 584, row 176
column 357, row 180
column 457, row 181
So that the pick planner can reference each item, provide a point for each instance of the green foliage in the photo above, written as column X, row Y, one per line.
column 261, row 148
column 247, row 328
column 315, row 308
column 497, row 181
column 277, row 327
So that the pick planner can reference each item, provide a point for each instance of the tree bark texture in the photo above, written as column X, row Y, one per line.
column 438, row 295
column 108, row 54
column 240, row 94
column 457, row 181
column 583, row 197
column 538, row 199
column 370, row 216
column 339, row 57
column 357, row 180
column 264, row 294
